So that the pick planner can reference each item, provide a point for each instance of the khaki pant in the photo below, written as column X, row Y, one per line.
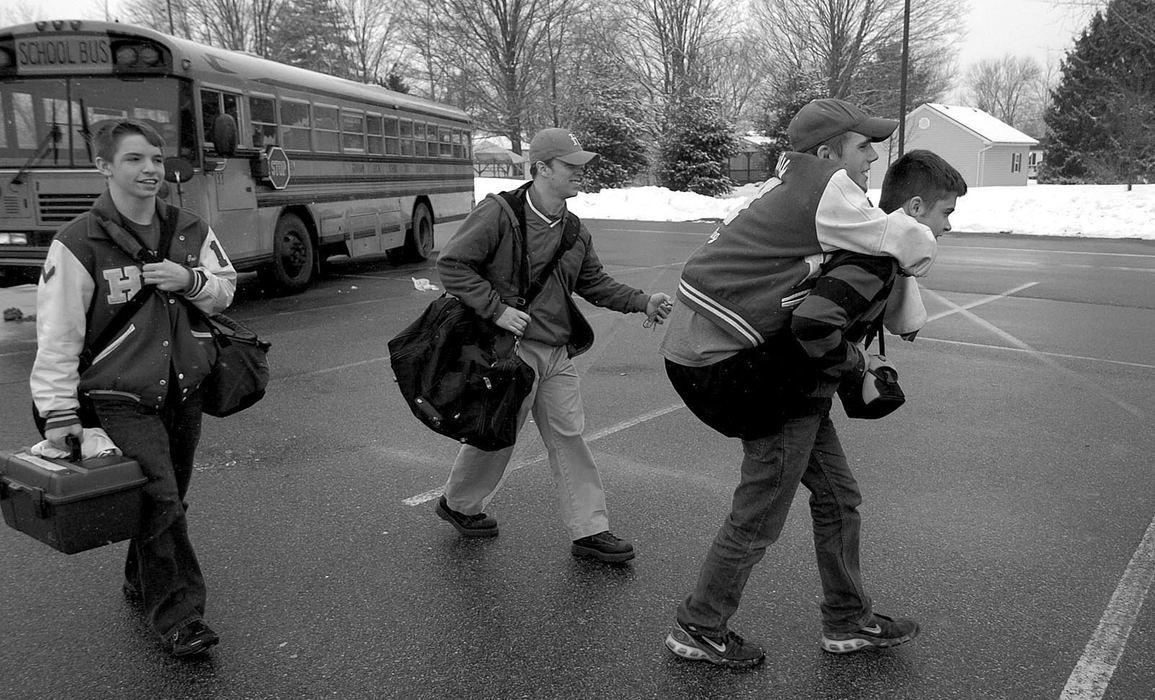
column 556, row 403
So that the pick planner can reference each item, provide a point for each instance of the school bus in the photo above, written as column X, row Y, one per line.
column 289, row 166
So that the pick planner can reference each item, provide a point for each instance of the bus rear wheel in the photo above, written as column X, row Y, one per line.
column 419, row 242
column 294, row 257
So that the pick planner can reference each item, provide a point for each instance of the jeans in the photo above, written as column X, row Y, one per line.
column 806, row 450
column 556, row 403
column 161, row 562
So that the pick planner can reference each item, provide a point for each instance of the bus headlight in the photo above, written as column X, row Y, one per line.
column 13, row 239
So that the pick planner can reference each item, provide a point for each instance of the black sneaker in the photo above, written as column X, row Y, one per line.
column 881, row 632
column 604, row 546
column 480, row 525
column 725, row 649
column 193, row 637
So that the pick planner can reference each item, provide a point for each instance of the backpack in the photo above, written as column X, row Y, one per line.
column 460, row 374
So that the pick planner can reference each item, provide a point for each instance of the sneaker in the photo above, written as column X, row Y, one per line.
column 725, row 649
column 604, row 546
column 882, row 632
column 193, row 637
column 480, row 525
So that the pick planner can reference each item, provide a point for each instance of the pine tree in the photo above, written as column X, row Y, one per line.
column 1100, row 120
column 694, row 144
column 310, row 34
column 610, row 121
column 781, row 104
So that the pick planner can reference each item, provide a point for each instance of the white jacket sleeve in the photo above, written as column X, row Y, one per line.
column 846, row 220
column 214, row 280
column 62, row 297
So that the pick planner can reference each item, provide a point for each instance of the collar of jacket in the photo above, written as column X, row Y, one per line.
column 104, row 212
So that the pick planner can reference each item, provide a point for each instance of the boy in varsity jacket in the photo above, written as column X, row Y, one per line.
column 765, row 331
column 142, row 386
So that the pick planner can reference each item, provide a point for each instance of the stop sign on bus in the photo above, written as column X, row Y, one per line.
column 278, row 167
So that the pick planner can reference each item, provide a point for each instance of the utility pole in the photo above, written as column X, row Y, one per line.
column 902, row 80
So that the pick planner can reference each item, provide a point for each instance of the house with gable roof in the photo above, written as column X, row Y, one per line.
column 986, row 151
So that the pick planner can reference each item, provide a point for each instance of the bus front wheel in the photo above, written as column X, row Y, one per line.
column 294, row 257
column 419, row 242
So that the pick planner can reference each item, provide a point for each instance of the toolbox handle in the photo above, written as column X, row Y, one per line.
column 74, row 447
column 39, row 503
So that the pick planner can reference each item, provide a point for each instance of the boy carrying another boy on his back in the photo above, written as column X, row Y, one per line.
column 773, row 308
column 141, row 386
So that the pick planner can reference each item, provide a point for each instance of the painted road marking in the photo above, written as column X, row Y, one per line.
column 1041, row 357
column 1101, row 656
column 592, row 437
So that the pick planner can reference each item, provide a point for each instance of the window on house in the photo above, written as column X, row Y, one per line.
column 1016, row 162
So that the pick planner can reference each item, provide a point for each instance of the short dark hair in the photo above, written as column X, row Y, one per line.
column 920, row 173
column 836, row 144
column 107, row 136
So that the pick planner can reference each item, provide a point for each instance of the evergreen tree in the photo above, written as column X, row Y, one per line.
column 1099, row 121
column 781, row 104
column 609, row 120
column 311, row 34
column 694, row 145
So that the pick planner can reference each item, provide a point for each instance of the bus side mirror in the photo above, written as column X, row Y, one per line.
column 225, row 135
column 178, row 170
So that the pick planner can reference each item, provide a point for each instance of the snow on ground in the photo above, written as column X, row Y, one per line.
column 1092, row 211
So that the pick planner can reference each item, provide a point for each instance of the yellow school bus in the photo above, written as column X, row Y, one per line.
column 289, row 166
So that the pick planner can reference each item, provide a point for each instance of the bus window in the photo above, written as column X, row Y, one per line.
column 215, row 103
column 294, row 120
column 406, row 137
column 458, row 144
column 391, row 144
column 420, row 146
column 264, row 115
column 352, row 132
column 446, row 143
column 326, row 134
column 376, row 139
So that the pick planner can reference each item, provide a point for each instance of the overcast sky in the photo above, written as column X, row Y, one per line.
column 1043, row 29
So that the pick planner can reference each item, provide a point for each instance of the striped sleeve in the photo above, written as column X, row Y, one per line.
column 842, row 295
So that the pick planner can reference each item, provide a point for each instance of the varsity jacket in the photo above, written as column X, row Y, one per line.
column 86, row 279
column 762, row 261
column 483, row 265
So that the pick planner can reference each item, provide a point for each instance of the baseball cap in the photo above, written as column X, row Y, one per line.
column 826, row 118
column 560, row 144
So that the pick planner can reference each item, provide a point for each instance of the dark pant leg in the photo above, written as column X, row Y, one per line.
column 771, row 470
column 834, row 501
column 163, row 443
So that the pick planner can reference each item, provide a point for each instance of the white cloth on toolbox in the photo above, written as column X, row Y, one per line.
column 94, row 443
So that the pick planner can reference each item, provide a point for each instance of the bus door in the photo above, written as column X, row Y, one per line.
column 232, row 192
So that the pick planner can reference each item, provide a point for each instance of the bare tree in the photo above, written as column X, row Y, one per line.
column 674, row 37
column 842, row 40
column 1004, row 87
column 374, row 29
column 503, row 44
column 737, row 76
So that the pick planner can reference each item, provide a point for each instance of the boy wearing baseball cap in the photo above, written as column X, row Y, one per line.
column 771, row 312
column 512, row 237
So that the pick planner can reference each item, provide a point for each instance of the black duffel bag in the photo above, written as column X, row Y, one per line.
column 461, row 375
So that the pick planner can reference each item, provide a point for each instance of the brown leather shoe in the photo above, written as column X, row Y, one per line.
column 480, row 525
column 604, row 546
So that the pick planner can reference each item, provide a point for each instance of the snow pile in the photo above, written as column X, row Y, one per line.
column 1092, row 211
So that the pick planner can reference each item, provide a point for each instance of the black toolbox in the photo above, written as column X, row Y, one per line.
column 70, row 505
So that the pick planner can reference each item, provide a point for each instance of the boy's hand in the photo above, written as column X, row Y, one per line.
column 59, row 435
column 658, row 307
column 513, row 321
column 168, row 276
